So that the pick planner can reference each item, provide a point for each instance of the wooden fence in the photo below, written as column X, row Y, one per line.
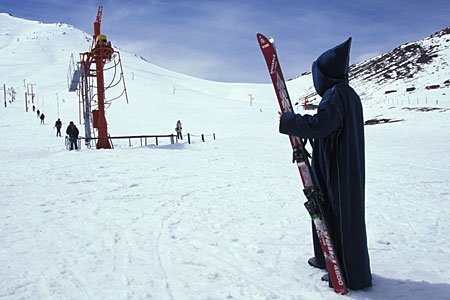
column 202, row 136
column 143, row 139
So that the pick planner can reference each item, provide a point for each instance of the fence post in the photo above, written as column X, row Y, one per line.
column 129, row 142
column 156, row 141
column 172, row 139
column 214, row 136
column 203, row 137
column 189, row 138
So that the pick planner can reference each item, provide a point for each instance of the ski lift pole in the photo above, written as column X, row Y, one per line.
column 123, row 78
column 4, row 93
column 57, row 104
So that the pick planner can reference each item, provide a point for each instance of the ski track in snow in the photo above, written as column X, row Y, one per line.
column 193, row 223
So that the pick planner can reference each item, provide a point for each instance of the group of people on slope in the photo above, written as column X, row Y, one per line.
column 40, row 115
column 72, row 131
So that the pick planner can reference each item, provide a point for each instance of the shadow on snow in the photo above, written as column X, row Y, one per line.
column 389, row 288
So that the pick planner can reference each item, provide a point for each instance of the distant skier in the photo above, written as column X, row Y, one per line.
column 42, row 117
column 58, row 125
column 178, row 129
column 338, row 162
column 72, row 132
column 38, row 113
column 34, row 108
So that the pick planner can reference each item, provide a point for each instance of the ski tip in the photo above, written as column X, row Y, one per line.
column 260, row 36
column 263, row 40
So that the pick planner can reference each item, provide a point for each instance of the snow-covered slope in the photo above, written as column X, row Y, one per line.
column 216, row 220
column 31, row 50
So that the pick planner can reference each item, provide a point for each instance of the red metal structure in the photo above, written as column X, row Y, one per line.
column 92, row 65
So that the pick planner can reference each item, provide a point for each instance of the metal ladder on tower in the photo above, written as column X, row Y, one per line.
column 73, row 75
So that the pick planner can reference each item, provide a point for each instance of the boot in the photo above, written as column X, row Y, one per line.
column 313, row 263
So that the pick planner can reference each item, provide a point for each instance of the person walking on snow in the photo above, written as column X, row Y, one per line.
column 72, row 132
column 178, row 129
column 42, row 117
column 338, row 162
column 58, row 125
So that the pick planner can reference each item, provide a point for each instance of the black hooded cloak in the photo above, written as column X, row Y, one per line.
column 338, row 162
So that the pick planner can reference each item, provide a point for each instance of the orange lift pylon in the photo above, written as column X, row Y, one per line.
column 92, row 65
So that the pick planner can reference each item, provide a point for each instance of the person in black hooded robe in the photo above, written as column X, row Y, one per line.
column 338, row 162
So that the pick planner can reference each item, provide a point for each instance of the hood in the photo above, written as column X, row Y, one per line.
column 331, row 67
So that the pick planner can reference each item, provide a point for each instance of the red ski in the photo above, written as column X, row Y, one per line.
column 316, row 203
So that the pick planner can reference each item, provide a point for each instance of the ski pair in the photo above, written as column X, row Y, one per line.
column 316, row 203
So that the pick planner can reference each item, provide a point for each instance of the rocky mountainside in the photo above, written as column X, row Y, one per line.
column 409, row 62
column 420, row 67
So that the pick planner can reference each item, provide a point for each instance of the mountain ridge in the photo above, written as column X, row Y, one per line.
column 406, row 61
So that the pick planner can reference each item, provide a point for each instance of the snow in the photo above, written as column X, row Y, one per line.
column 220, row 219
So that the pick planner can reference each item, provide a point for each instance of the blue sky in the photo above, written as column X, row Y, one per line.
column 216, row 39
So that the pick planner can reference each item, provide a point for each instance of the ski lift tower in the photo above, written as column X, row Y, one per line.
column 92, row 65
column 101, row 52
column 81, row 78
